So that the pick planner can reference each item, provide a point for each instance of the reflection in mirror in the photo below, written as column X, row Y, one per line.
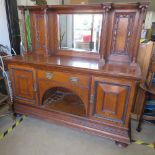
column 80, row 32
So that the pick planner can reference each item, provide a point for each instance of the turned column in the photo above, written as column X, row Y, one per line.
column 24, row 32
column 46, row 32
column 103, row 45
column 143, row 6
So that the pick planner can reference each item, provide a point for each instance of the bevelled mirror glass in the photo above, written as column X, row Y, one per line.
column 79, row 32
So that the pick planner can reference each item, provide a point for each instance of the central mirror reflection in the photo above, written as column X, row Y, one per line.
column 80, row 32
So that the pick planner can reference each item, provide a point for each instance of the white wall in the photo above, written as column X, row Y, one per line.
column 4, row 34
column 153, row 17
column 28, row 2
column 49, row 2
column 24, row 2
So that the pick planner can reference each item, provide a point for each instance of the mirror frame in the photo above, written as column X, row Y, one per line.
column 48, row 15
column 78, row 10
column 77, row 52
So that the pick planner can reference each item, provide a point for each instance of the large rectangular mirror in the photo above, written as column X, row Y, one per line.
column 79, row 32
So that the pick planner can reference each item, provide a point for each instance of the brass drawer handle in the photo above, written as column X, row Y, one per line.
column 49, row 76
column 74, row 79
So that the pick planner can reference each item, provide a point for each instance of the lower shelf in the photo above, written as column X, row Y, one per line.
column 61, row 100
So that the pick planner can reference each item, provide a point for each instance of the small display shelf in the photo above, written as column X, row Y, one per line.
column 61, row 99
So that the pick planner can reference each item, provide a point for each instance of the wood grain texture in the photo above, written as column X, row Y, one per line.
column 38, row 31
column 24, row 84
column 75, row 64
column 106, row 91
column 122, row 23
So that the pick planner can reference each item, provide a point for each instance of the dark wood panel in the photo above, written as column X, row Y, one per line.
column 122, row 36
column 23, row 83
column 38, row 32
column 111, row 101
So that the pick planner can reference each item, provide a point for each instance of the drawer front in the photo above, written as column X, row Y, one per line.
column 63, row 77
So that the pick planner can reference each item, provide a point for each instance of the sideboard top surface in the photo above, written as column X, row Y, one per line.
column 89, row 66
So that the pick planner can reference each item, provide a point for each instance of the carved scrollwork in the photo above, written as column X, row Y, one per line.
column 118, row 17
column 37, row 30
column 143, row 7
column 107, row 7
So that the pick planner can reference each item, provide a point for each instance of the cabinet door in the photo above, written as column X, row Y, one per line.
column 122, row 33
column 23, row 84
column 111, row 99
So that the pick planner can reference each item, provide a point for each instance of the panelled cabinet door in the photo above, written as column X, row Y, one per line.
column 111, row 100
column 23, row 84
column 123, row 33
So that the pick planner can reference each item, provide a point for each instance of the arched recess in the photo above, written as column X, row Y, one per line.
column 78, row 93
column 64, row 100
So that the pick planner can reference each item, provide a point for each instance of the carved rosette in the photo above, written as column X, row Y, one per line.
column 143, row 7
column 106, row 7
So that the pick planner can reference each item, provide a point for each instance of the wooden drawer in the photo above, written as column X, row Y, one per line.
column 63, row 77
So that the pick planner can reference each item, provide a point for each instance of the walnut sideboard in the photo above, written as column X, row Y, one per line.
column 90, row 89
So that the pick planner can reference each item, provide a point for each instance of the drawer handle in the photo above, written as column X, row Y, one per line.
column 74, row 79
column 49, row 76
